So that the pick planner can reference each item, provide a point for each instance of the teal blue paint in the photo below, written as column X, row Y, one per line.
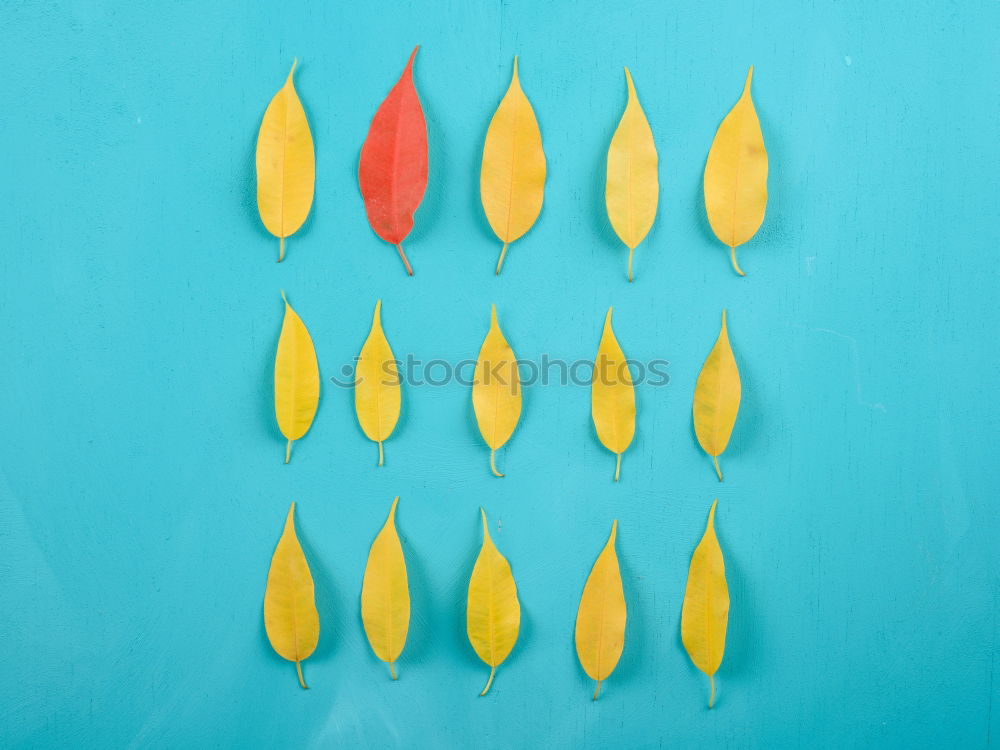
column 143, row 488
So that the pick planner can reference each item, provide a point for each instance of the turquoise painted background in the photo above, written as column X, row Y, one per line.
column 142, row 487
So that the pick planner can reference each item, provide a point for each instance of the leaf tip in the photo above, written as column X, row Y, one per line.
column 628, row 81
column 746, row 86
column 289, row 522
column 392, row 510
column 413, row 55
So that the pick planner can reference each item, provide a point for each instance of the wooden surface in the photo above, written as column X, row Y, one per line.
column 143, row 490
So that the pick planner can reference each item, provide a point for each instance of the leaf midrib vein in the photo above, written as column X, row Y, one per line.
column 513, row 153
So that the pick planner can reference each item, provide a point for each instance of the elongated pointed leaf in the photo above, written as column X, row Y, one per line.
column 290, row 616
column 633, row 185
column 512, row 180
column 705, row 614
column 286, row 165
column 494, row 613
column 392, row 172
column 385, row 594
column 496, row 390
column 600, row 621
column 296, row 379
column 376, row 386
column 612, row 396
column 717, row 398
column 736, row 176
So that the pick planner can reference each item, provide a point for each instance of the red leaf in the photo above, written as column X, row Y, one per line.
column 393, row 168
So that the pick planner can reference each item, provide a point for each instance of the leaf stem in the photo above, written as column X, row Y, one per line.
column 392, row 671
column 597, row 689
column 502, row 254
column 288, row 451
column 380, row 457
column 489, row 682
column 281, row 249
column 493, row 465
column 618, row 466
column 399, row 246
column 302, row 682
column 711, row 698
column 732, row 257
column 715, row 460
column 631, row 250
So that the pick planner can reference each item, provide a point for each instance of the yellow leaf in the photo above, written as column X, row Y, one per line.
column 717, row 398
column 633, row 186
column 706, row 605
column 600, row 622
column 512, row 181
column 385, row 597
column 612, row 396
column 736, row 176
column 286, row 165
column 296, row 379
column 496, row 390
column 290, row 616
column 494, row 614
column 376, row 385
